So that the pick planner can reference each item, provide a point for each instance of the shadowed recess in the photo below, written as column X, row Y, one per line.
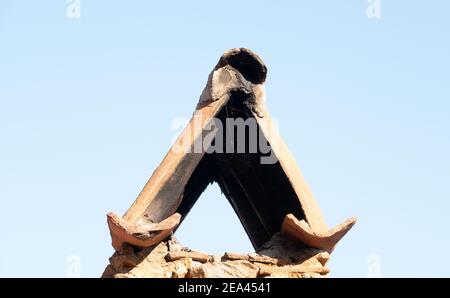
column 260, row 194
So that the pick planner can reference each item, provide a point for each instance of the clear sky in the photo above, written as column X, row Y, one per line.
column 86, row 107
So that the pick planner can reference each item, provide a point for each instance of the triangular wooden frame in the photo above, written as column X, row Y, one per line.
column 280, row 201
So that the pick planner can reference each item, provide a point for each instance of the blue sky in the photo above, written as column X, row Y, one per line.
column 86, row 107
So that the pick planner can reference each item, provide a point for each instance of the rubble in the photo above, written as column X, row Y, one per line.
column 285, row 258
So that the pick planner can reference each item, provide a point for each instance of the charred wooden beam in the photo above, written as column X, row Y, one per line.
column 261, row 193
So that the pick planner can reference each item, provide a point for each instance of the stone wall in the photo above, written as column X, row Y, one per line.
column 280, row 257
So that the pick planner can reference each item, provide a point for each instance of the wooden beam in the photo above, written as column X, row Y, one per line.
column 309, row 205
column 163, row 192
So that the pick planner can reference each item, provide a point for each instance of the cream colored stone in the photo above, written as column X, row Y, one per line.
column 179, row 268
column 194, row 255
column 254, row 257
column 235, row 256
column 229, row 269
